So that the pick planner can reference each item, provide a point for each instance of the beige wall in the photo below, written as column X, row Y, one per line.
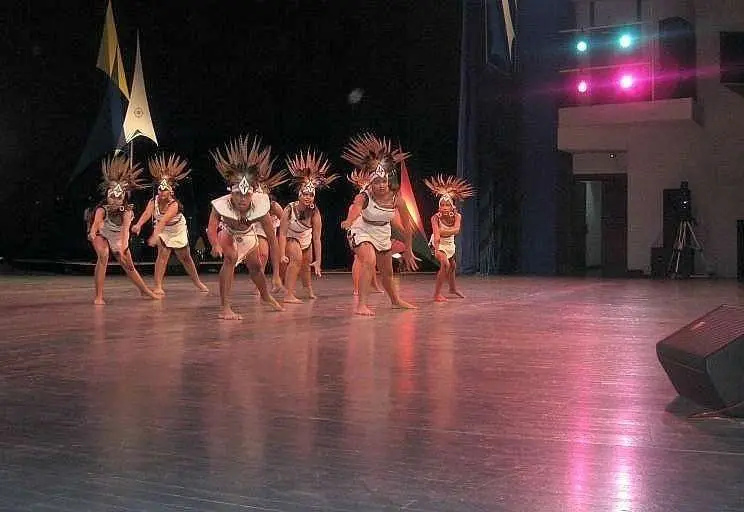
column 617, row 12
column 659, row 158
column 600, row 163
column 709, row 155
column 722, row 162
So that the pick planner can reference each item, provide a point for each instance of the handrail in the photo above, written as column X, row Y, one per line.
column 604, row 27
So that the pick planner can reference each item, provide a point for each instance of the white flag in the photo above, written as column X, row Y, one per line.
column 137, row 120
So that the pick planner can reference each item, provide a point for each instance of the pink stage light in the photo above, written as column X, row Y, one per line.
column 627, row 81
column 582, row 86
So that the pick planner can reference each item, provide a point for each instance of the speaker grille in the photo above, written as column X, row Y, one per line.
column 705, row 359
column 718, row 328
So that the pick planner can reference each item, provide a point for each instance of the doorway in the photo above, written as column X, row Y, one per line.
column 599, row 225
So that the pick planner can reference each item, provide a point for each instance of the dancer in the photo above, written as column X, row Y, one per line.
column 357, row 179
column 109, row 229
column 445, row 225
column 239, row 212
column 169, row 231
column 370, row 217
column 301, row 225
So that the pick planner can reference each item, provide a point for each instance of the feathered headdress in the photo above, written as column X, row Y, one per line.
column 373, row 156
column 242, row 166
column 120, row 176
column 268, row 180
column 359, row 178
column 449, row 188
column 168, row 172
column 310, row 171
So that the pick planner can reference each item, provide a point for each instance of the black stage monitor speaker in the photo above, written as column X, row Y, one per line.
column 677, row 59
column 705, row 359
column 740, row 250
column 732, row 57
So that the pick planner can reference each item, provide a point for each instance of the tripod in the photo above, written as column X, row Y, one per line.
column 686, row 239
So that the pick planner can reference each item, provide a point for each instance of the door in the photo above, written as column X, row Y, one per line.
column 607, row 193
column 577, row 248
column 615, row 225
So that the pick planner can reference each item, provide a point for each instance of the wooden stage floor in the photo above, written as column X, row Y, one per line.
column 533, row 394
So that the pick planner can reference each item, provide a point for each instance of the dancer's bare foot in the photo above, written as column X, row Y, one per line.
column 158, row 291
column 457, row 293
column 271, row 301
column 150, row 295
column 98, row 301
column 311, row 294
column 277, row 286
column 228, row 314
column 440, row 298
column 363, row 311
column 202, row 287
column 291, row 299
column 356, row 293
column 377, row 289
column 401, row 304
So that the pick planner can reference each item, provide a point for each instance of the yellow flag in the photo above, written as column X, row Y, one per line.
column 109, row 54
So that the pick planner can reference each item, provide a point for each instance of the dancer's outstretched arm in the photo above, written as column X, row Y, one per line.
column 317, row 223
column 170, row 214
column 214, row 222
column 274, row 249
column 436, row 234
column 354, row 211
column 283, row 227
column 276, row 210
column 95, row 226
column 146, row 216
column 404, row 224
column 455, row 229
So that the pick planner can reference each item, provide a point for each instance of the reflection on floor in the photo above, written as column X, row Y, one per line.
column 533, row 394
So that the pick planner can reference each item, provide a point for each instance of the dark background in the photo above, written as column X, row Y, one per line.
column 281, row 68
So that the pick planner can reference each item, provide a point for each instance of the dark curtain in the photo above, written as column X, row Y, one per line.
column 542, row 170
column 488, row 141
